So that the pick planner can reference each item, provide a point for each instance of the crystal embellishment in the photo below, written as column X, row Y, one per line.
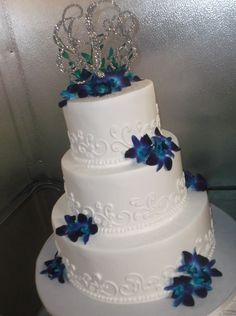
column 107, row 26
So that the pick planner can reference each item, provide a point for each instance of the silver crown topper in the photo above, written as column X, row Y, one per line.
column 110, row 43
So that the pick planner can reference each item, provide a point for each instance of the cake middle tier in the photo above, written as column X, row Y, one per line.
column 127, row 198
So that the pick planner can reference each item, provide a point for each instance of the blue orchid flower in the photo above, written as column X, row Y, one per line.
column 182, row 291
column 197, row 265
column 197, row 279
column 85, row 90
column 68, row 95
column 88, row 84
column 157, row 150
column 102, row 88
column 120, row 79
column 201, row 284
column 87, row 227
column 141, row 148
column 162, row 152
column 75, row 228
column 197, row 183
column 55, row 269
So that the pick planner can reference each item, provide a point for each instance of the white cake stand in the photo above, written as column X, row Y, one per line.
column 65, row 300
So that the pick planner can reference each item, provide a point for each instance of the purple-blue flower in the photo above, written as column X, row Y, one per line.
column 141, row 148
column 67, row 95
column 102, row 88
column 162, row 152
column 182, row 291
column 55, row 269
column 157, row 150
column 84, row 90
column 82, row 226
column 88, row 84
column 119, row 79
column 116, row 76
column 197, row 265
column 197, row 279
column 201, row 284
column 197, row 182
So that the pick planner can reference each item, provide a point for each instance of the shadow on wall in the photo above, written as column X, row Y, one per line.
column 43, row 312
column 21, row 237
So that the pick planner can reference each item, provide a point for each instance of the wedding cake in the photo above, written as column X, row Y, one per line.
column 126, row 215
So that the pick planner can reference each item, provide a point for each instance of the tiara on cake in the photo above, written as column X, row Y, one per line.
column 100, row 64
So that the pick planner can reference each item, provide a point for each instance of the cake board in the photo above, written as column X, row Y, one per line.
column 65, row 300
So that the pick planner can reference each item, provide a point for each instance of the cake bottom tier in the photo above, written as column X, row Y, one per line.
column 135, row 268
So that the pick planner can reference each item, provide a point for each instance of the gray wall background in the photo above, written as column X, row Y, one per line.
column 187, row 49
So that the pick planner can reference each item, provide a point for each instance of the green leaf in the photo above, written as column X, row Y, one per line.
column 77, row 73
column 103, row 65
column 65, row 54
column 87, row 57
column 114, row 62
column 110, row 53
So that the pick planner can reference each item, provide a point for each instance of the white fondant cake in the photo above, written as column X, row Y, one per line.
column 100, row 128
column 145, row 218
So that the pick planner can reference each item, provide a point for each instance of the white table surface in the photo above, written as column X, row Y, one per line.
column 65, row 300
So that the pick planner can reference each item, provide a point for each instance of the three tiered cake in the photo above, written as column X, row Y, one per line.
column 145, row 218
column 122, row 224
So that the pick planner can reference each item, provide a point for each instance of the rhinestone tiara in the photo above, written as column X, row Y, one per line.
column 110, row 38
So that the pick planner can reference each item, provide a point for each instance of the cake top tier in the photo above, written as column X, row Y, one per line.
column 100, row 129
column 105, row 104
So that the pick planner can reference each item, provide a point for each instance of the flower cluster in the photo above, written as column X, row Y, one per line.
column 115, row 78
column 197, row 182
column 82, row 226
column 55, row 269
column 197, row 279
column 154, row 151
